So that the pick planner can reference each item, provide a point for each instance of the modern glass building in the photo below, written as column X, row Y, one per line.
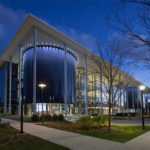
column 74, row 83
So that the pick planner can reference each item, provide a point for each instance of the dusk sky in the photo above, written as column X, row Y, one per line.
column 85, row 21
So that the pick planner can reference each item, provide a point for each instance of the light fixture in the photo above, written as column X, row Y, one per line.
column 42, row 85
column 142, row 87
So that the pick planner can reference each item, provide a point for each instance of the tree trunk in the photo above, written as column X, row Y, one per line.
column 109, row 116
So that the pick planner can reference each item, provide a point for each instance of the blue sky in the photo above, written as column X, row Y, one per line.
column 69, row 16
column 85, row 21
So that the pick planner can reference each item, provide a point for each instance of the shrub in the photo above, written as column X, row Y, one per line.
column 47, row 117
column 85, row 122
column 132, row 114
column 55, row 117
column 60, row 118
column 121, row 114
column 100, row 121
column 96, row 121
column 35, row 118
column 4, row 115
column 27, row 119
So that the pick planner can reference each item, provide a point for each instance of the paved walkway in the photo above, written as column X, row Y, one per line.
column 80, row 142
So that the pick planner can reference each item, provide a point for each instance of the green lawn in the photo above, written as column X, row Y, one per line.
column 14, row 117
column 11, row 140
column 118, row 133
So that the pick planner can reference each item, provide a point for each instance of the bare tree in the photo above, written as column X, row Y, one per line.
column 136, row 28
column 113, row 58
column 142, row 2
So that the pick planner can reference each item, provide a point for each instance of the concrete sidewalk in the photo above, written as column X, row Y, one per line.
column 80, row 142
column 140, row 143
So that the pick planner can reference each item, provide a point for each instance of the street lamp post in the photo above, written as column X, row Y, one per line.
column 142, row 88
column 42, row 86
column 21, row 120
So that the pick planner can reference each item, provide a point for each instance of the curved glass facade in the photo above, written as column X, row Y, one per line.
column 50, row 71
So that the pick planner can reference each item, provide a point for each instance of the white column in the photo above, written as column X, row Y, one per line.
column 70, row 109
column 119, row 91
column 34, row 74
column 50, row 110
column 51, row 107
column 38, row 109
column 47, row 108
column 10, row 81
column 124, row 98
column 112, row 99
column 101, row 99
column 148, row 106
column 86, row 95
column 5, row 89
column 65, row 81
column 127, row 99
column 132, row 98
column 20, row 74
column 120, row 96
column 59, row 108
column 137, row 99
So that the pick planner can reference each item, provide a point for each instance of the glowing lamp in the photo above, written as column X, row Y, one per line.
column 42, row 85
column 142, row 87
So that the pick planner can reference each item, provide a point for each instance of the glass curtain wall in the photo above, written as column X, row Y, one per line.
column 94, row 93
column 50, row 71
column 14, row 87
column 134, row 99
column 1, row 89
